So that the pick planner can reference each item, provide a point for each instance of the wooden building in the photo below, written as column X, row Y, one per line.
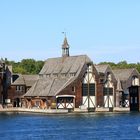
column 128, row 91
column 107, row 87
column 19, row 87
column 70, row 82
column 65, row 82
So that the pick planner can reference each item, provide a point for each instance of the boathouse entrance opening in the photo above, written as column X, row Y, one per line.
column 134, row 98
column 65, row 102
column 88, row 93
column 134, row 94
column 16, row 102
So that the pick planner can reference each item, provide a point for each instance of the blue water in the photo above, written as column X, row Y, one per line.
column 70, row 127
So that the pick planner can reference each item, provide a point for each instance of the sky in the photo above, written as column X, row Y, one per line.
column 105, row 30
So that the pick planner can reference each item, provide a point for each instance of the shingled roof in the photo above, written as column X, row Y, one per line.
column 52, row 85
column 101, row 68
column 123, row 74
column 63, row 65
column 27, row 80
column 125, row 77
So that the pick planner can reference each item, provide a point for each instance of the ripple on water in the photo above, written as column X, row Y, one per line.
column 67, row 127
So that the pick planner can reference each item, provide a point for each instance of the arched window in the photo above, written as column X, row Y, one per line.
column 108, row 83
column 135, row 81
column 109, row 78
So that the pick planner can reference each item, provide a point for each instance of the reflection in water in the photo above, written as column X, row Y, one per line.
column 67, row 127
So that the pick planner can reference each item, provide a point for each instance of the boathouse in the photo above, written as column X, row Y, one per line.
column 128, row 90
column 65, row 82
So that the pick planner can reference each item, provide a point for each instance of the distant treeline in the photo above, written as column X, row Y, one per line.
column 123, row 65
column 31, row 66
column 26, row 66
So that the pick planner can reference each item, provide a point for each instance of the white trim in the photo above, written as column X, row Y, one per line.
column 65, row 96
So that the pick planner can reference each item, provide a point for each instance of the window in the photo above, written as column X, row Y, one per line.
column 19, row 88
column 41, row 75
column 101, row 80
column 109, row 78
column 47, row 75
column 91, row 89
column 107, row 91
column 72, row 74
column 131, row 100
column 73, row 88
column 55, row 75
column 90, row 68
column 135, row 81
column 136, row 100
column 63, row 75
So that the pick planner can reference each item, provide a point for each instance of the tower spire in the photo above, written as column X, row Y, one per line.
column 65, row 47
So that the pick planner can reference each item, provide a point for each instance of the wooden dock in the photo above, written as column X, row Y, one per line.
column 61, row 111
column 44, row 111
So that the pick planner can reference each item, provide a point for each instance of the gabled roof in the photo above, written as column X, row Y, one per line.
column 48, row 86
column 53, row 85
column 123, row 74
column 27, row 80
column 63, row 65
column 101, row 68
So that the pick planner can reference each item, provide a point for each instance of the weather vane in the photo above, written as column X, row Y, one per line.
column 64, row 33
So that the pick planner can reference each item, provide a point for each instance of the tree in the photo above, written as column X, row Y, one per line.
column 26, row 66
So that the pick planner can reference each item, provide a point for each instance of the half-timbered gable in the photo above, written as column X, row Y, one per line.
column 89, row 87
column 106, row 88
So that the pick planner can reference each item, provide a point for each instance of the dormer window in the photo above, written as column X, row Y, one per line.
column 63, row 74
column 135, row 81
column 55, row 75
column 41, row 75
column 20, row 88
column 90, row 68
column 72, row 74
column 109, row 78
column 47, row 75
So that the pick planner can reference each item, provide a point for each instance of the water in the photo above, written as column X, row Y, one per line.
column 67, row 127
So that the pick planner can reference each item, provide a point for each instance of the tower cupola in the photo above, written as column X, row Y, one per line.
column 65, row 48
